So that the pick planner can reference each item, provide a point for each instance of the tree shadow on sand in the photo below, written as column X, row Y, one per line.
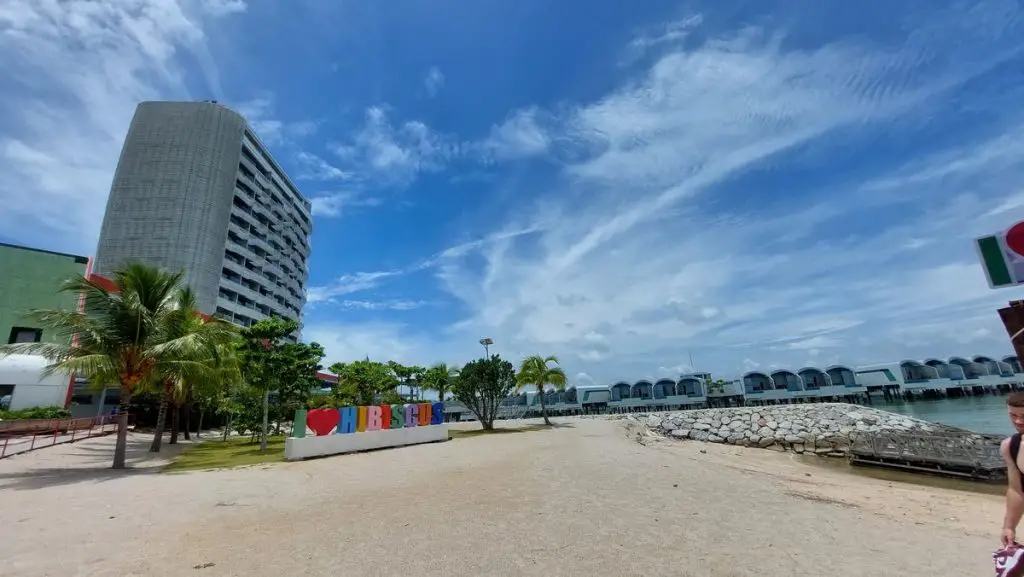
column 84, row 463
column 499, row 430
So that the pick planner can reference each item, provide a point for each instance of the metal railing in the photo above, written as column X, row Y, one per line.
column 21, row 436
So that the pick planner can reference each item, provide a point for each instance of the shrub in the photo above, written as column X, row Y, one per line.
column 36, row 413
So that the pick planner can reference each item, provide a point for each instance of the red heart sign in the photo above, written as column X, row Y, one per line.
column 322, row 421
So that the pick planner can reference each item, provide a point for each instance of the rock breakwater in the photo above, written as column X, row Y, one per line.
column 825, row 429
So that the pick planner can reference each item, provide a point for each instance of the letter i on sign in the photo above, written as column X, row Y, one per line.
column 385, row 416
column 361, row 421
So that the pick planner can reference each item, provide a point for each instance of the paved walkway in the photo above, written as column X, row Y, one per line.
column 16, row 445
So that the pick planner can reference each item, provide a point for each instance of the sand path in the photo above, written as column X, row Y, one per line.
column 578, row 500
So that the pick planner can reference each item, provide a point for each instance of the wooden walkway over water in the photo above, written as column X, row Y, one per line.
column 954, row 453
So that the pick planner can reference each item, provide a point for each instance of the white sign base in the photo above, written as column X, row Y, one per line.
column 296, row 449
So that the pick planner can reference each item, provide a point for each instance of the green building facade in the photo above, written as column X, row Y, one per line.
column 30, row 279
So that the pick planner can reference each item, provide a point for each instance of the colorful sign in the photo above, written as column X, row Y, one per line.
column 1002, row 256
column 350, row 420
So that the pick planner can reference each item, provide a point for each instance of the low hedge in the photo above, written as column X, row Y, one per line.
column 36, row 413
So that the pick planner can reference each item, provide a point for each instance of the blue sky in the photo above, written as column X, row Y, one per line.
column 623, row 184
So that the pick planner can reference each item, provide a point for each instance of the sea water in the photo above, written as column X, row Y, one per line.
column 984, row 414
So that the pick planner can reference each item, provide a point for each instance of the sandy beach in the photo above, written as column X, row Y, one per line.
column 583, row 499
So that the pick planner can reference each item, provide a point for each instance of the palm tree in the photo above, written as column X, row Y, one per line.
column 438, row 378
column 120, row 337
column 196, row 352
column 537, row 371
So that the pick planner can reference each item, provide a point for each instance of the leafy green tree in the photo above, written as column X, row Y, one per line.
column 206, row 343
column 120, row 338
column 714, row 386
column 214, row 395
column 482, row 385
column 363, row 382
column 538, row 371
column 263, row 362
column 407, row 375
column 298, row 380
column 439, row 378
column 391, row 398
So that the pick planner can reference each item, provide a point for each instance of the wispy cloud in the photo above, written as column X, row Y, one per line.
column 348, row 284
column 433, row 82
column 386, row 153
column 521, row 135
column 223, row 7
column 259, row 112
column 392, row 305
column 681, row 219
column 75, row 70
column 312, row 167
column 666, row 34
column 334, row 204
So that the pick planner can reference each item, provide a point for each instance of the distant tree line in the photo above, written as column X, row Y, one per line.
column 149, row 339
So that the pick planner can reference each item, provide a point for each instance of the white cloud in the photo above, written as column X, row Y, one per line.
column 674, row 371
column 583, row 380
column 348, row 284
column 223, row 7
column 382, row 341
column 394, row 154
column 434, row 81
column 312, row 167
column 520, row 135
column 646, row 247
column 668, row 33
column 259, row 113
column 74, row 70
column 394, row 305
column 332, row 205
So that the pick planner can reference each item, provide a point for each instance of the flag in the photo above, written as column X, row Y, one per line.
column 995, row 260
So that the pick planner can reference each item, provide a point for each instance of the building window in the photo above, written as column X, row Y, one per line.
column 82, row 398
column 6, row 394
column 25, row 335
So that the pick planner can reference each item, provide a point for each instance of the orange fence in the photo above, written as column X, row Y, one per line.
column 22, row 436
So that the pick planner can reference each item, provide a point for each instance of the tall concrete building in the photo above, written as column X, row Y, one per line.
column 195, row 190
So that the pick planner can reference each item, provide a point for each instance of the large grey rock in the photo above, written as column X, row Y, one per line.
column 819, row 427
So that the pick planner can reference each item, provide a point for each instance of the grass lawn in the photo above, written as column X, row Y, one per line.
column 235, row 452
column 239, row 452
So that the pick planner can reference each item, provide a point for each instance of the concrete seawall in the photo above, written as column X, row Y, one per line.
column 825, row 429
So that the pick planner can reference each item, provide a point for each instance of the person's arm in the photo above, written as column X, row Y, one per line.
column 1014, row 495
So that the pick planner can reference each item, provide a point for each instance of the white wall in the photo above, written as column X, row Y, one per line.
column 335, row 444
column 31, row 388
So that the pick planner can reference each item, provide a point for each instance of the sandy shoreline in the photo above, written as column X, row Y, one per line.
column 578, row 500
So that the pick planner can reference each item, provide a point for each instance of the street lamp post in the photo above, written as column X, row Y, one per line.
column 487, row 342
